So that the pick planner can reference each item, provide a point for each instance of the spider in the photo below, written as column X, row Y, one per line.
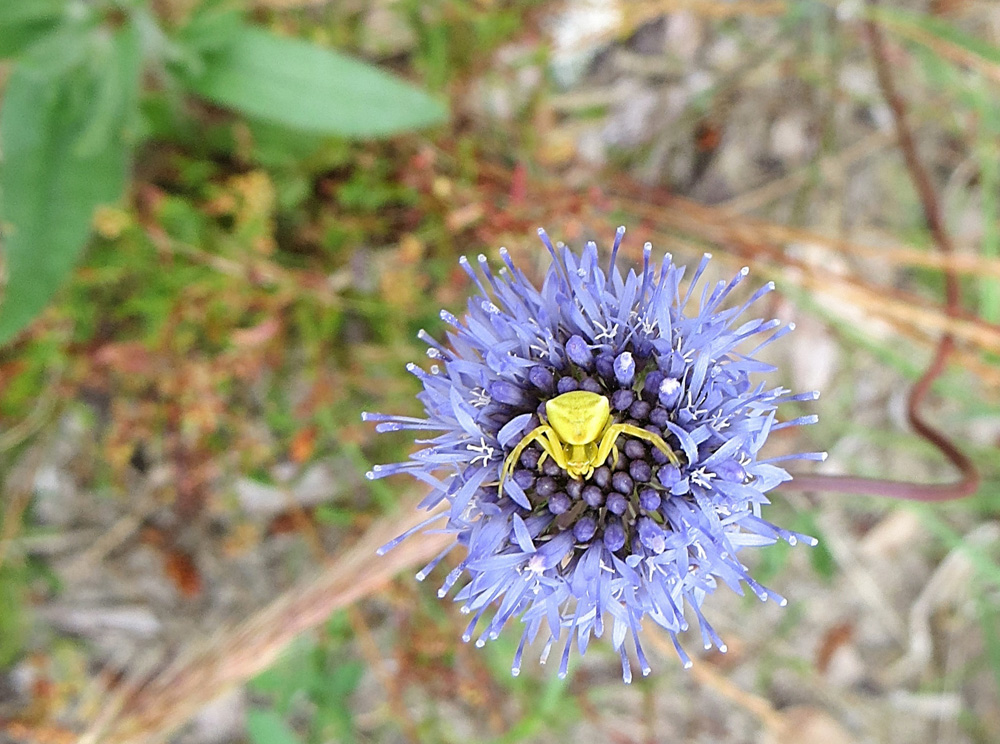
column 579, row 435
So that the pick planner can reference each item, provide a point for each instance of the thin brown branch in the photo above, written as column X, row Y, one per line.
column 934, row 218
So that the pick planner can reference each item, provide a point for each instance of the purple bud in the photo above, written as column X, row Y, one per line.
column 731, row 470
column 640, row 471
column 617, row 504
column 639, row 410
column 578, row 352
column 559, row 503
column 593, row 495
column 605, row 364
column 658, row 457
column 651, row 387
column 585, row 528
column 659, row 417
column 622, row 399
column 574, row 488
column 633, row 449
column 551, row 468
column 669, row 392
column 529, row 458
column 567, row 384
column 649, row 499
column 602, row 476
column 524, row 478
column 668, row 475
column 542, row 378
column 545, row 487
column 506, row 392
column 624, row 369
column 591, row 385
column 614, row 536
column 622, row 482
column 651, row 536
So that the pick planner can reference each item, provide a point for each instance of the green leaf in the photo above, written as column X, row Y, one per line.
column 300, row 85
column 65, row 153
column 267, row 727
column 23, row 23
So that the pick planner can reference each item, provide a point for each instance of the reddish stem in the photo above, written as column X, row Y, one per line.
column 969, row 483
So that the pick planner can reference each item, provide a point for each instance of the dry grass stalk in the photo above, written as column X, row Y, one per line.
column 762, row 243
column 213, row 666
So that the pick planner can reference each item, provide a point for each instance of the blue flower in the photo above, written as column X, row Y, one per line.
column 651, row 530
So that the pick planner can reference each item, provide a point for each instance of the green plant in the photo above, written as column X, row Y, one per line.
column 73, row 113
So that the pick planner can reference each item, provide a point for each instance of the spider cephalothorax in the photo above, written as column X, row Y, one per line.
column 580, row 435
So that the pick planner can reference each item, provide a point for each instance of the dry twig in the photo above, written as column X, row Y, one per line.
column 168, row 698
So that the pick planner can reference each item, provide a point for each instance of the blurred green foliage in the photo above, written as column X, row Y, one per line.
column 75, row 111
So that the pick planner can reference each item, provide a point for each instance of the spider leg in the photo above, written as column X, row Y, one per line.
column 553, row 446
column 537, row 434
column 654, row 439
column 608, row 439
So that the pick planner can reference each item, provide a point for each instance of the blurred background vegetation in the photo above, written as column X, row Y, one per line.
column 223, row 224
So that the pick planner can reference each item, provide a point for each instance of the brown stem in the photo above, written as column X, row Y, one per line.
column 969, row 483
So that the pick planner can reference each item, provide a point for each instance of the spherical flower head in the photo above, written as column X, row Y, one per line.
column 596, row 440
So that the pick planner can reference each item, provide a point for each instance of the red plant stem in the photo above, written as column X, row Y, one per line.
column 969, row 483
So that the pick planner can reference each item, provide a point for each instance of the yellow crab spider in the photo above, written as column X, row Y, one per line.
column 580, row 435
